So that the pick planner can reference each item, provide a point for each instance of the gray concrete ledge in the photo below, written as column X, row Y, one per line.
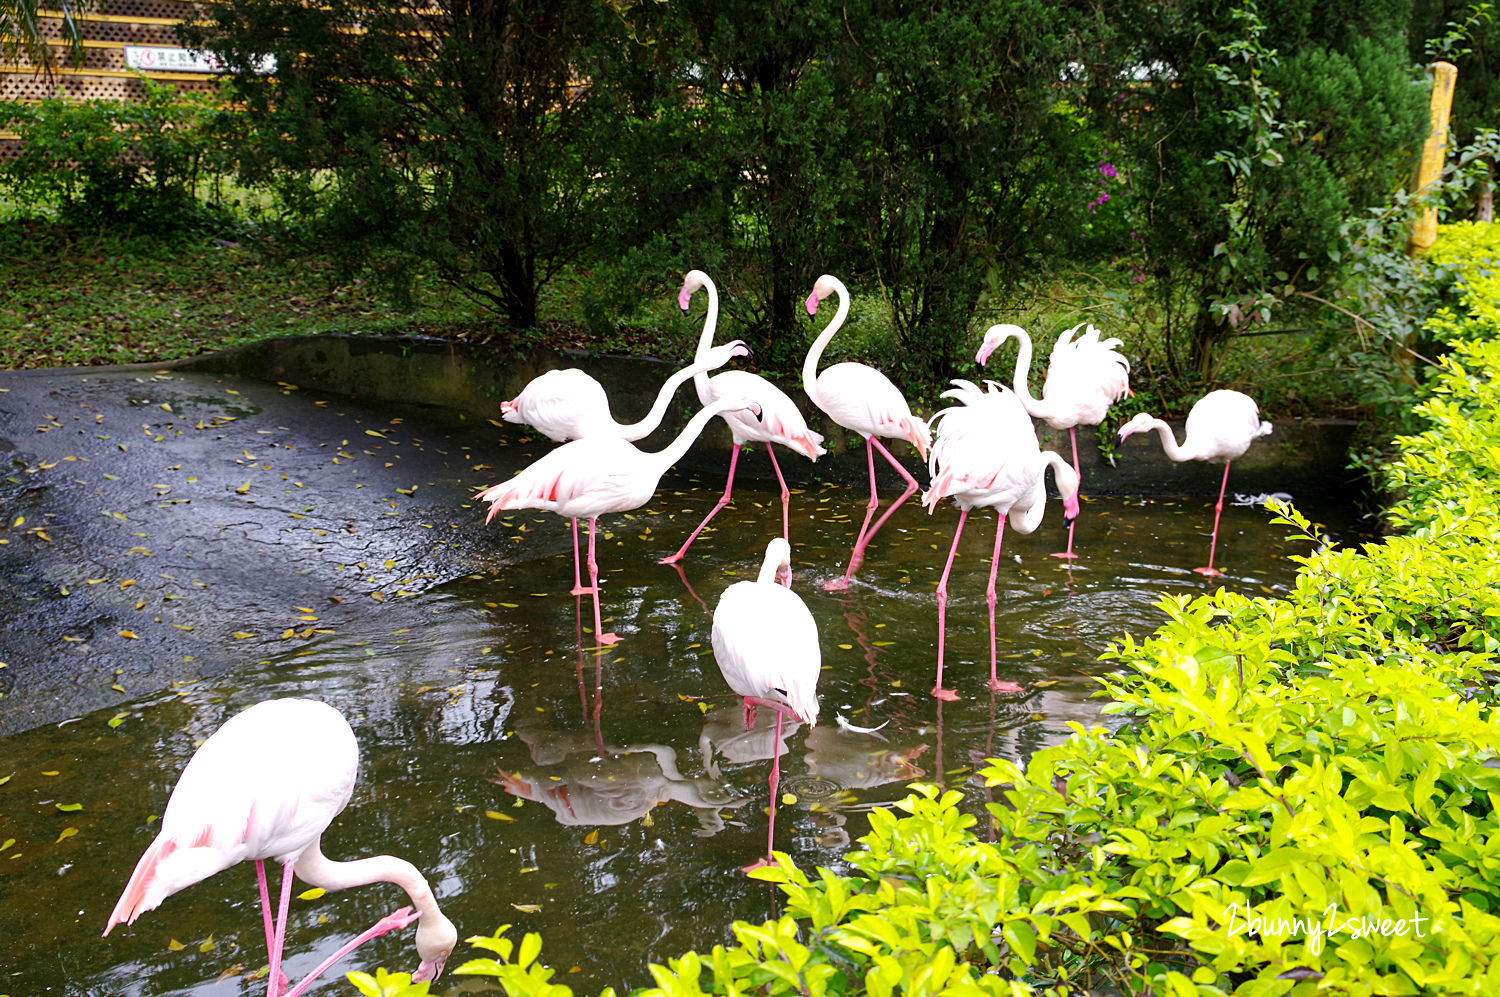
column 467, row 382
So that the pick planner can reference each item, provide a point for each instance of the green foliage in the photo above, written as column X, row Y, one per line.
column 132, row 166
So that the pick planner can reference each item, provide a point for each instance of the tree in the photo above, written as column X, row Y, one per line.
column 23, row 38
column 1256, row 130
column 480, row 135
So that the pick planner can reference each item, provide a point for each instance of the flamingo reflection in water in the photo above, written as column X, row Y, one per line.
column 583, row 788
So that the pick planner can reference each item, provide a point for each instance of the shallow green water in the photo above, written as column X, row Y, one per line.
column 623, row 847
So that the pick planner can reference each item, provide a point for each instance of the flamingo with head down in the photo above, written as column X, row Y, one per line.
column 266, row 785
column 766, row 643
column 1085, row 376
column 986, row 456
column 860, row 398
column 780, row 420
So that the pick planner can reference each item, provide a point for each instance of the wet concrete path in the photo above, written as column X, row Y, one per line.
column 162, row 525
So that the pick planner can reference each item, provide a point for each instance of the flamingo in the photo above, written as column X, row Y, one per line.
column 1085, row 376
column 569, row 404
column 594, row 476
column 766, row 644
column 266, row 785
column 780, row 420
column 860, row 398
column 987, row 455
column 1220, row 427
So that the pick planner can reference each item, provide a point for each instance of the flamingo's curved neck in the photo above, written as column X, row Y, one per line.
column 316, row 869
column 815, row 354
column 638, row 430
column 770, row 568
column 674, row 452
column 1169, row 442
column 1062, row 473
column 1034, row 407
column 706, row 341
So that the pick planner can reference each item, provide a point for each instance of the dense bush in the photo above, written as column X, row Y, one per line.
column 1300, row 798
column 134, row 166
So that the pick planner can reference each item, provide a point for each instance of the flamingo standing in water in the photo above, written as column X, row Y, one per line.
column 860, row 398
column 1085, row 376
column 266, row 785
column 594, row 476
column 986, row 455
column 780, row 420
column 1220, row 427
column 569, row 404
column 766, row 644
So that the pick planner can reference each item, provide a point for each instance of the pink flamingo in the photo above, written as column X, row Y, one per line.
column 1085, row 376
column 766, row 644
column 569, row 404
column 860, row 398
column 1220, row 427
column 594, row 476
column 987, row 456
column 780, row 420
column 266, row 785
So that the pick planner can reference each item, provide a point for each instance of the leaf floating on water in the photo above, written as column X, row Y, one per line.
column 312, row 894
column 173, row 945
column 117, row 719
column 69, row 807
column 8, row 841
column 207, row 945
column 117, row 687
column 375, row 432
column 67, row 833
column 497, row 815
column 592, row 838
column 241, row 635
column 129, row 634
column 1044, row 683
column 527, row 908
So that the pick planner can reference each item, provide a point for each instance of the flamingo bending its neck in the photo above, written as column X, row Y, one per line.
column 266, row 785
column 986, row 456
column 766, row 643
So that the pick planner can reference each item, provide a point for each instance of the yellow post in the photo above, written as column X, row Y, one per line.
column 1434, row 151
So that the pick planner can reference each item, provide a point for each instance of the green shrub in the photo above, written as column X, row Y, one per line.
column 134, row 166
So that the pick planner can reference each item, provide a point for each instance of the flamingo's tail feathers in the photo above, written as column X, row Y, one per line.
column 810, row 444
column 164, row 868
column 920, row 434
column 1265, row 429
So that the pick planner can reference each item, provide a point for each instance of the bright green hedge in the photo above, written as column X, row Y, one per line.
column 1325, row 763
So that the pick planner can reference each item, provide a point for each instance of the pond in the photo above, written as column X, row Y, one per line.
column 605, row 798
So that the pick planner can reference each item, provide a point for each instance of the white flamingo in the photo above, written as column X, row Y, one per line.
column 860, row 398
column 1220, row 427
column 766, row 644
column 266, row 785
column 594, row 476
column 986, row 455
column 1085, row 376
column 569, row 404
column 780, row 420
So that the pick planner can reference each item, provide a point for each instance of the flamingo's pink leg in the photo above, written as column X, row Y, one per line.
column 840, row 584
column 775, row 787
column 1068, row 554
column 786, row 497
column 996, row 685
column 857, row 558
column 276, row 986
column 734, row 458
column 942, row 605
column 578, row 588
column 599, row 635
column 1214, row 542
column 279, row 941
column 394, row 921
